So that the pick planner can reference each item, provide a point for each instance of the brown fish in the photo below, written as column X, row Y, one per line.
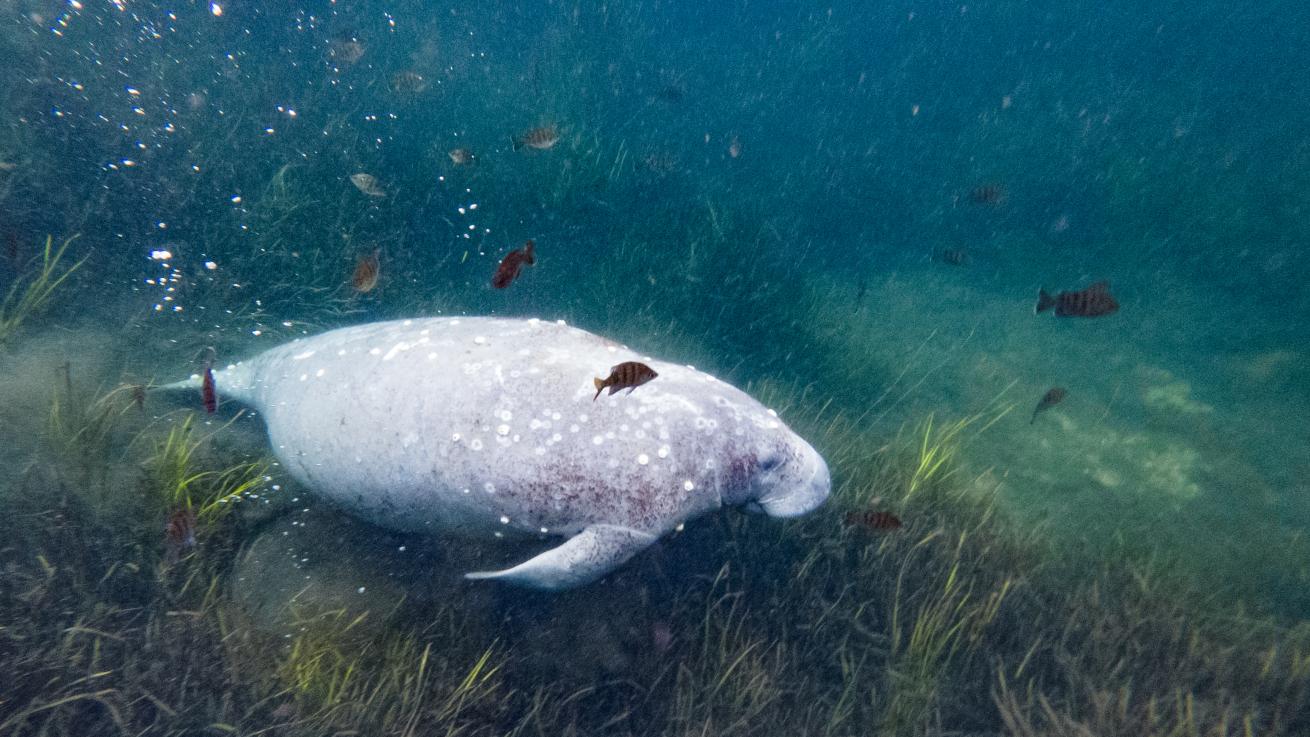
column 408, row 81
column 1094, row 301
column 871, row 520
column 513, row 262
column 988, row 194
column 368, row 184
column 1052, row 397
column 367, row 270
column 138, row 394
column 179, row 533
column 627, row 375
column 539, row 138
column 460, row 156
column 208, row 392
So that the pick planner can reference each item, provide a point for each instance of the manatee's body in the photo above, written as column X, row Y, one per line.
column 485, row 425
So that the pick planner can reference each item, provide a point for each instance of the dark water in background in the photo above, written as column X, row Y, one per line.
column 755, row 187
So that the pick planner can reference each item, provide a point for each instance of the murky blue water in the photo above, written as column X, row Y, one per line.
column 846, row 211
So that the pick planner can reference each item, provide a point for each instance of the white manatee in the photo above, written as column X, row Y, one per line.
column 487, row 426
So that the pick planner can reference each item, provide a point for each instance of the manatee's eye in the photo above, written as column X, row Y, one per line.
column 771, row 461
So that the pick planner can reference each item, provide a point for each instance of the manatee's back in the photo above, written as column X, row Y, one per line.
column 486, row 423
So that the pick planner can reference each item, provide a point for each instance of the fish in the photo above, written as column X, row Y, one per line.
column 138, row 394
column 7, row 166
column 954, row 256
column 208, row 393
column 988, row 194
column 368, row 184
column 1094, row 301
column 408, row 81
column 539, row 138
column 348, row 50
column 1052, row 397
column 179, row 533
column 366, row 273
column 460, row 156
column 734, row 147
column 871, row 520
column 509, row 267
column 627, row 375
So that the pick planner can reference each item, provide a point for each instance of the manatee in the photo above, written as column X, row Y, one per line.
column 481, row 426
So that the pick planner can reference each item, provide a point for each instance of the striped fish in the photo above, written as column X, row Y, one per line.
column 368, row 184
column 627, row 375
column 539, row 138
column 1094, row 301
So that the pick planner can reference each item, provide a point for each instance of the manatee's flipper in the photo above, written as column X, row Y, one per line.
column 581, row 559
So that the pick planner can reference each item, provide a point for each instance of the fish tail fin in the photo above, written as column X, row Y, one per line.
column 600, row 384
column 527, row 251
column 234, row 382
column 516, row 143
column 1044, row 301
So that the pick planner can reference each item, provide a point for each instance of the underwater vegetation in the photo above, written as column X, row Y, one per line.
column 30, row 293
column 958, row 622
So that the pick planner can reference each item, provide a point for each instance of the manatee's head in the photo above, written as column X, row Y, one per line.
column 781, row 476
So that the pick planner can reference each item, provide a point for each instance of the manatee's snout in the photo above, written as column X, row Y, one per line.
column 799, row 488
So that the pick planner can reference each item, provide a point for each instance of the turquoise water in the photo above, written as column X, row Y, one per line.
column 846, row 211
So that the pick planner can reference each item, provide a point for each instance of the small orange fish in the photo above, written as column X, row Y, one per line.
column 367, row 270
column 539, row 138
column 460, row 156
column 1052, row 397
column 179, row 533
column 208, row 392
column 627, row 375
column 1094, row 301
column 871, row 520
column 988, row 194
column 512, row 264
